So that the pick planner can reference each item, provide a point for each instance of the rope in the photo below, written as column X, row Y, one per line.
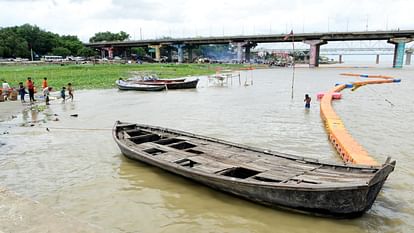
column 376, row 92
column 80, row 129
column 60, row 128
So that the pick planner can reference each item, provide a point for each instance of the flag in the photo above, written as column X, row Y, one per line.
column 288, row 35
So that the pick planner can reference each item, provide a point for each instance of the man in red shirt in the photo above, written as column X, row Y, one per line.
column 44, row 83
column 30, row 87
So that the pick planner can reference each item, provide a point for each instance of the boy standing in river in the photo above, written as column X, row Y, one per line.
column 22, row 92
column 70, row 91
column 307, row 101
column 62, row 94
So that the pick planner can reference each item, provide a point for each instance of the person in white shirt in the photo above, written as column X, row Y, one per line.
column 46, row 92
column 5, row 89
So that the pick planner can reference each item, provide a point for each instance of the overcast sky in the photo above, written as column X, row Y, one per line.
column 184, row 18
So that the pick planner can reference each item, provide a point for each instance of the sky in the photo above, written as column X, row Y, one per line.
column 151, row 19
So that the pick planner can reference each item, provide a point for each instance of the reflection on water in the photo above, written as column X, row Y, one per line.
column 75, row 166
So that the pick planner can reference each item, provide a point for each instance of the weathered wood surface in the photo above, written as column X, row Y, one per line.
column 256, row 174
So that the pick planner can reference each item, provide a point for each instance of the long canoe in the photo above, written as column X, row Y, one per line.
column 187, row 84
column 129, row 86
column 270, row 178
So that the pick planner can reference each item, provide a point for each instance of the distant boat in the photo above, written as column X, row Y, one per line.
column 130, row 86
column 186, row 84
column 155, row 79
column 269, row 178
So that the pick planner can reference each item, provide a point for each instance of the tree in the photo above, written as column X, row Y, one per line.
column 72, row 43
column 61, row 51
column 86, row 52
column 17, row 41
column 139, row 51
column 109, row 36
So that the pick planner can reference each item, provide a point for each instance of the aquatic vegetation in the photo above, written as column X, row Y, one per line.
column 89, row 76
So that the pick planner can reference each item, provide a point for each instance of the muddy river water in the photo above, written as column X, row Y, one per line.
column 72, row 165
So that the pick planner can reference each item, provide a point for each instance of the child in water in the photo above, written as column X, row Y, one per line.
column 62, row 94
column 307, row 101
column 22, row 92
column 46, row 93
column 70, row 91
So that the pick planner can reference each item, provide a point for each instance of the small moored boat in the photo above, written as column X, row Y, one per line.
column 266, row 177
column 126, row 86
column 186, row 84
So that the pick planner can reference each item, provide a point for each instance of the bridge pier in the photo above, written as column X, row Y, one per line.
column 239, row 51
column 340, row 59
column 110, row 51
column 180, row 53
column 102, row 53
column 399, row 50
column 408, row 57
column 314, row 51
column 247, row 48
column 247, row 54
column 169, row 54
column 190, row 53
column 157, row 51
column 377, row 60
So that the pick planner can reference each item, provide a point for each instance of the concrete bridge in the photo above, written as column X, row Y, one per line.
column 314, row 40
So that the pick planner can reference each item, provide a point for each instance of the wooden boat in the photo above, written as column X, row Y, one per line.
column 155, row 79
column 186, row 84
column 270, row 178
column 126, row 86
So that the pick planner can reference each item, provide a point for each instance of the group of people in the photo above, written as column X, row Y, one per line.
column 45, row 91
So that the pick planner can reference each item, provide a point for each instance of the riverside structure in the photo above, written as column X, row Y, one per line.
column 399, row 38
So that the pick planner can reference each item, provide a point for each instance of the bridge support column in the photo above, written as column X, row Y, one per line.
column 340, row 59
column 169, row 54
column 248, row 46
column 239, row 52
column 314, row 51
column 408, row 57
column 157, row 52
column 180, row 53
column 377, row 60
column 190, row 54
column 399, row 50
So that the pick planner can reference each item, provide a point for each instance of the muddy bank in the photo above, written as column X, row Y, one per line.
column 10, row 109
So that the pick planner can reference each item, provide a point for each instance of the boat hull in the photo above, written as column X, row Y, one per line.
column 338, row 202
column 140, row 87
column 174, row 85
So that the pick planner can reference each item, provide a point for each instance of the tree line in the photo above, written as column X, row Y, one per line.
column 27, row 40
column 22, row 41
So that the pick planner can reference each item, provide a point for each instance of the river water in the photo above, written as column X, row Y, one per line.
column 75, row 166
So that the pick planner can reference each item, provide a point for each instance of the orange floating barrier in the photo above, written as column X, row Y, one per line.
column 349, row 149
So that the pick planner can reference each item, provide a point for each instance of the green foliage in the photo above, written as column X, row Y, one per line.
column 18, row 40
column 72, row 43
column 90, row 76
column 109, row 36
column 61, row 51
column 86, row 52
column 139, row 51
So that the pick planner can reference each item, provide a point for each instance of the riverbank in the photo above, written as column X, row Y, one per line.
column 102, row 76
column 10, row 109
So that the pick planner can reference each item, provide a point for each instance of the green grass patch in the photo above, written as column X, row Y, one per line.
column 99, row 76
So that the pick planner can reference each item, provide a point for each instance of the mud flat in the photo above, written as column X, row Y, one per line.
column 9, row 109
